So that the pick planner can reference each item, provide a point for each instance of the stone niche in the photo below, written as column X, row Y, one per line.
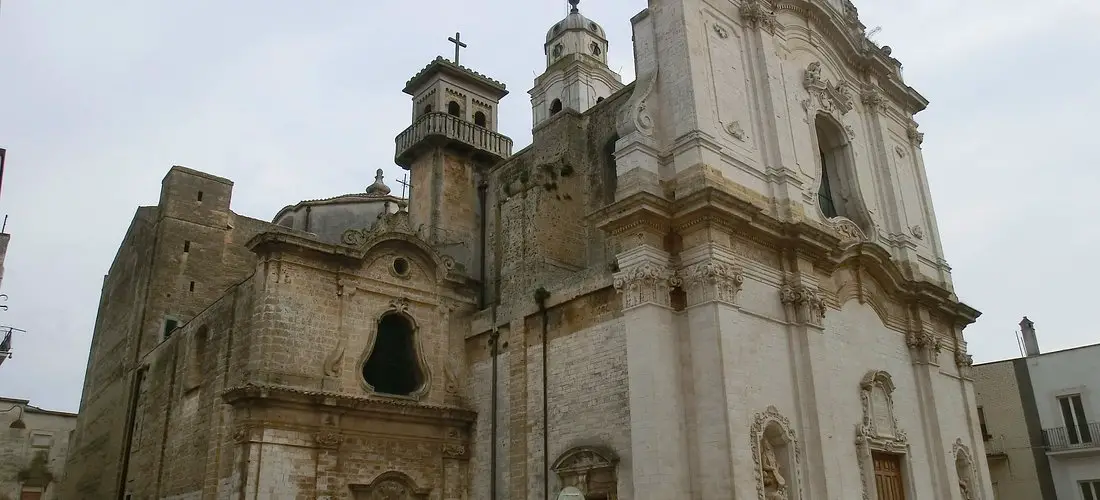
column 776, row 456
column 589, row 470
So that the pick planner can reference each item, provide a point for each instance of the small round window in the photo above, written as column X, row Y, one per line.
column 401, row 266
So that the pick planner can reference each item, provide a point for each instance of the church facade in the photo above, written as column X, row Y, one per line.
column 723, row 280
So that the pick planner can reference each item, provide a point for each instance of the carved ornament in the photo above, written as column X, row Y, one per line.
column 391, row 486
column 710, row 281
column 734, row 129
column 720, row 31
column 879, row 431
column 644, row 283
column 803, row 303
column 399, row 304
column 769, row 475
column 454, row 450
column 589, row 469
column 328, row 439
column 242, row 434
column 918, row 232
column 823, row 93
column 926, row 345
column 850, row 233
column 916, row 137
column 873, row 100
column 964, row 468
column 397, row 222
column 759, row 14
column 635, row 115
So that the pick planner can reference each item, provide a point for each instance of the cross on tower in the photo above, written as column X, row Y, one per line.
column 405, row 185
column 459, row 44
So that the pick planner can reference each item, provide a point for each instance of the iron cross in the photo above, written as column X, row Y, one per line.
column 459, row 44
column 405, row 185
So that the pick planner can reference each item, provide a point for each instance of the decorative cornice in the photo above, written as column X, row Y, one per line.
column 439, row 64
column 759, row 14
column 253, row 393
column 823, row 93
column 803, row 303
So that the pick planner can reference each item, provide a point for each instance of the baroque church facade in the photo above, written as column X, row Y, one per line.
column 723, row 280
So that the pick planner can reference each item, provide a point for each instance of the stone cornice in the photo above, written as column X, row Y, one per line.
column 254, row 394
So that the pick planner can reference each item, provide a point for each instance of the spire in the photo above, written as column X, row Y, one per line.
column 379, row 188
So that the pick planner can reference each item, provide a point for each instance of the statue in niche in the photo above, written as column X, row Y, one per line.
column 775, row 487
column 964, row 487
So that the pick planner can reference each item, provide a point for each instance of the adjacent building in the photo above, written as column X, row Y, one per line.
column 1040, row 419
column 34, row 444
column 722, row 280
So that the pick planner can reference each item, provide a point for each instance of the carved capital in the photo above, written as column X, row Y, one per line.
column 455, row 450
column 964, row 361
column 710, row 281
column 644, row 283
column 328, row 439
column 916, row 137
column 824, row 94
column 873, row 100
column 242, row 434
column 803, row 303
column 925, row 346
column 759, row 14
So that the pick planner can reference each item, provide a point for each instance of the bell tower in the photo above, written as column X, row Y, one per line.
column 576, row 76
column 448, row 150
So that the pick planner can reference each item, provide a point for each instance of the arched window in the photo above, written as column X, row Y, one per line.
column 480, row 119
column 454, row 109
column 392, row 366
column 833, row 153
column 427, row 109
column 555, row 107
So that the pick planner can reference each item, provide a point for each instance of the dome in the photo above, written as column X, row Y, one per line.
column 575, row 22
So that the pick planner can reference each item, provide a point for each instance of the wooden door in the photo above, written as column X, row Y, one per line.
column 31, row 495
column 888, row 480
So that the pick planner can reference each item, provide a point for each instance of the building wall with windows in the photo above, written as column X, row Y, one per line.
column 32, row 451
column 1067, row 396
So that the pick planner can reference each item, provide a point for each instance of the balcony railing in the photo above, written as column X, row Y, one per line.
column 442, row 128
column 1072, row 438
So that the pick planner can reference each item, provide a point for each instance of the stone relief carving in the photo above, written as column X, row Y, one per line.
column 328, row 439
column 776, row 454
column 873, row 100
column 635, row 115
column 589, row 469
column 965, row 470
column 918, row 232
column 759, row 14
column 879, row 431
column 849, row 231
column 399, row 304
column 710, row 281
column 397, row 222
column 643, row 283
column 720, row 31
column 454, row 450
column 391, row 486
column 242, row 434
column 824, row 94
column 734, row 129
column 900, row 151
column 916, row 137
column 803, row 303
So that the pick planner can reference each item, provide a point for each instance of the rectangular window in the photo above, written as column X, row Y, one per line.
column 1073, row 415
column 1090, row 490
column 200, row 195
column 981, row 421
column 192, row 286
column 186, row 246
column 169, row 326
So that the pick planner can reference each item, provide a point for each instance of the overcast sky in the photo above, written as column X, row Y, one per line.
column 295, row 100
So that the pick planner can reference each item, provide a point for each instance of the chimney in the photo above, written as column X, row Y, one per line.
column 1031, row 343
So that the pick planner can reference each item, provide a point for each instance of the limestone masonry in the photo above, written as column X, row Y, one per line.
column 723, row 280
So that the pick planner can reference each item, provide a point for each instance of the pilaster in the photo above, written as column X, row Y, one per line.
column 924, row 348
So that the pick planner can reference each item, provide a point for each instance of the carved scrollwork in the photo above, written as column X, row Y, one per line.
column 916, row 137
column 849, row 231
column 454, row 450
column 643, row 283
column 918, row 232
column 396, row 222
column 635, row 115
column 759, row 14
column 926, row 345
column 734, row 129
column 242, row 434
column 803, row 303
column 710, row 281
column 824, row 93
column 720, row 31
column 400, row 304
column 391, row 485
column 879, row 431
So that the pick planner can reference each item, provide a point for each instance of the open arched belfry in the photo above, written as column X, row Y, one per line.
column 722, row 280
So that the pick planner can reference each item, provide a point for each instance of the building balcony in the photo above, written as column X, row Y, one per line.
column 995, row 448
column 1080, row 440
column 441, row 129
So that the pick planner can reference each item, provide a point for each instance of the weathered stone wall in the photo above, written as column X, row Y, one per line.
column 46, row 431
column 177, row 259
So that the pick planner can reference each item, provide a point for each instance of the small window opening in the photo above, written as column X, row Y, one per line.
column 832, row 150
column 392, row 367
column 454, row 109
column 169, row 326
column 198, row 355
column 192, row 286
column 186, row 246
column 596, row 50
column 200, row 196
column 555, row 107
column 480, row 120
column 401, row 266
column 981, row 422
column 427, row 109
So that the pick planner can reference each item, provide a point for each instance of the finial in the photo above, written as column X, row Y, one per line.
column 574, row 4
column 379, row 188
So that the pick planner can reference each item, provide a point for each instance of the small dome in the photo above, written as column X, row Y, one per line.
column 575, row 21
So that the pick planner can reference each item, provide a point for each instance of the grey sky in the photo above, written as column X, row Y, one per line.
column 295, row 100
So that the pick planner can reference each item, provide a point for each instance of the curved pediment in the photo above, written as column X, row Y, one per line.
column 395, row 231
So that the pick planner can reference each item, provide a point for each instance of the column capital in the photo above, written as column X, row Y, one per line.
column 803, row 303
column 644, row 278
